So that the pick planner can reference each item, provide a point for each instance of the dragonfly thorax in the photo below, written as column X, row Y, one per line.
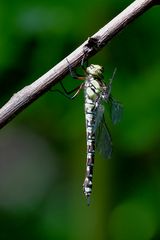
column 93, row 88
column 95, row 70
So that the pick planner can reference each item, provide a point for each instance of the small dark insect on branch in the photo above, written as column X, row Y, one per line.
column 29, row 94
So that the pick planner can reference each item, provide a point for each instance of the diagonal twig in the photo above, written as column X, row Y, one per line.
column 30, row 93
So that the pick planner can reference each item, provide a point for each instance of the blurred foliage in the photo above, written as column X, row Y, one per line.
column 42, row 151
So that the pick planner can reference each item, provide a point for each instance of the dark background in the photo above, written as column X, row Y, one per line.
column 43, row 150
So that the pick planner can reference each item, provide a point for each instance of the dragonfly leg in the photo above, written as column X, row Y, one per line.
column 67, row 93
column 74, row 74
column 84, row 63
column 79, row 89
column 65, row 90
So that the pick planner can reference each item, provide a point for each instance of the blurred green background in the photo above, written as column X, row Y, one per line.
column 43, row 150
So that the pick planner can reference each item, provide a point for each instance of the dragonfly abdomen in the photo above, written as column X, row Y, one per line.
column 90, row 135
column 87, row 186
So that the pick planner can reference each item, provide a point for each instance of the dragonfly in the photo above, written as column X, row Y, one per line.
column 96, row 93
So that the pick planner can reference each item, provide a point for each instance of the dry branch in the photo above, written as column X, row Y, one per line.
column 30, row 93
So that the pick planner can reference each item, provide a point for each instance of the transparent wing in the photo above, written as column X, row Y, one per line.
column 116, row 110
column 103, row 140
column 98, row 117
column 103, row 137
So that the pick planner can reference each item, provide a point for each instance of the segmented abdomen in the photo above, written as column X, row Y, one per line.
column 90, row 115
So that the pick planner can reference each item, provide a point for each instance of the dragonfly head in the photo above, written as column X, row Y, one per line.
column 95, row 70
